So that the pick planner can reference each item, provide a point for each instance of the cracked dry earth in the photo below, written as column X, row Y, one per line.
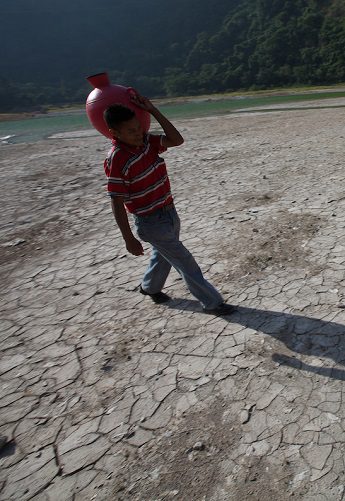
column 106, row 396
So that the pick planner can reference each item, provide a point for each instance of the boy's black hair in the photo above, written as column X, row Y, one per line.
column 116, row 114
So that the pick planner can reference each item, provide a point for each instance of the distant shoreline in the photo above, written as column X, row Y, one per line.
column 11, row 117
column 295, row 91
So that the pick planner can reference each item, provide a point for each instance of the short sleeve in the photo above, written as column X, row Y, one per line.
column 116, row 182
column 156, row 142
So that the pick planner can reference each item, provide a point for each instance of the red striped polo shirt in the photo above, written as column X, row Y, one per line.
column 139, row 175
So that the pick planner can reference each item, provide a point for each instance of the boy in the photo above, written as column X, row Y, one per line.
column 138, row 182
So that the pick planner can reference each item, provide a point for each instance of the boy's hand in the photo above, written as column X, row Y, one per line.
column 134, row 247
column 143, row 102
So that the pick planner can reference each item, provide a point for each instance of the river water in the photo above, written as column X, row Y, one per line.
column 76, row 122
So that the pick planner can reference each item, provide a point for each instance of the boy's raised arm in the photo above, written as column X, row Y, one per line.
column 172, row 136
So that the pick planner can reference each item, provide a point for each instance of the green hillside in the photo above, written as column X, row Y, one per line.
column 163, row 48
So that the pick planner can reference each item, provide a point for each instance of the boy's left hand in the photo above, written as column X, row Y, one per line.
column 143, row 102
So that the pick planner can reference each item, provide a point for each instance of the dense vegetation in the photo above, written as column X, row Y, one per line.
column 164, row 48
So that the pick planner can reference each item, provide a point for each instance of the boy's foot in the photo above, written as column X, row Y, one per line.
column 221, row 310
column 158, row 297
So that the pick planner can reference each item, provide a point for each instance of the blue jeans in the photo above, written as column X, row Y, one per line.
column 162, row 229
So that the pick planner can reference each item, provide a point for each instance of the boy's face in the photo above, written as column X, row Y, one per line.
column 130, row 132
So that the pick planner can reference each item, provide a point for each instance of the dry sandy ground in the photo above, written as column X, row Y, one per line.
column 106, row 396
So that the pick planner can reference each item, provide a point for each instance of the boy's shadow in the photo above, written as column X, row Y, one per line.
column 304, row 335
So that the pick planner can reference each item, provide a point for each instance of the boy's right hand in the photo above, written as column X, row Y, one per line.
column 143, row 102
column 134, row 247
